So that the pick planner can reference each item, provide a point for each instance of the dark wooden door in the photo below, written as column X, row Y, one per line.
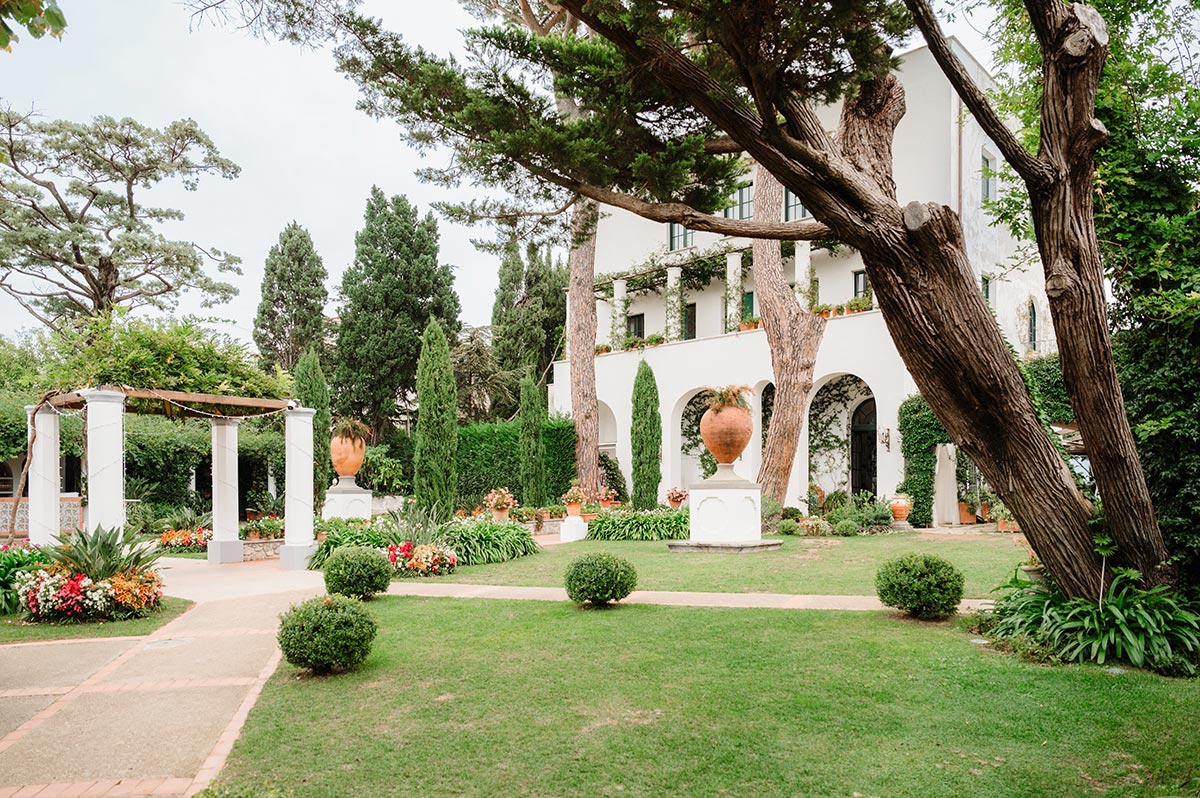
column 862, row 448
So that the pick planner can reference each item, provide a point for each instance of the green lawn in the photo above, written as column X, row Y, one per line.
column 831, row 566
column 15, row 630
column 487, row 698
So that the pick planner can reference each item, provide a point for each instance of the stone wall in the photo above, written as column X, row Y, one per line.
column 261, row 549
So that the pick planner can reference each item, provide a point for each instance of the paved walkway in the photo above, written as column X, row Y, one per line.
column 158, row 715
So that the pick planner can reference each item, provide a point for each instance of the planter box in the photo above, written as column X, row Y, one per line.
column 261, row 549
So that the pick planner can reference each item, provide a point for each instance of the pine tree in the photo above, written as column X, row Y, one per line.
column 645, row 435
column 290, row 316
column 533, row 449
column 313, row 391
column 434, row 476
column 394, row 288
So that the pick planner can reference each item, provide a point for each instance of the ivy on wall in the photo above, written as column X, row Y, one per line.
column 920, row 433
column 829, row 429
column 689, row 428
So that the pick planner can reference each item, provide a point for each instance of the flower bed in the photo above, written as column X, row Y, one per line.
column 426, row 559
column 657, row 524
column 14, row 558
column 184, row 540
column 55, row 595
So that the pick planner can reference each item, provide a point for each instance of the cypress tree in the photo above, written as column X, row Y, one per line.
column 290, row 316
column 313, row 391
column 434, row 477
column 645, row 435
column 533, row 449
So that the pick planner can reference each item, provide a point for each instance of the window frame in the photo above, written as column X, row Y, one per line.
column 688, row 322
column 865, row 291
column 742, row 204
column 635, row 325
column 791, row 202
column 679, row 237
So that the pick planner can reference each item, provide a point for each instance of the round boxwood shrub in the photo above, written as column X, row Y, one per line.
column 789, row 527
column 846, row 528
column 924, row 586
column 357, row 572
column 600, row 578
column 327, row 633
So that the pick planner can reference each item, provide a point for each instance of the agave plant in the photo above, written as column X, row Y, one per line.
column 186, row 518
column 104, row 552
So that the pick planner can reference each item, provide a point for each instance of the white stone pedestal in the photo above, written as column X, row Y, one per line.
column 347, row 500
column 573, row 528
column 298, row 543
column 225, row 545
column 725, row 514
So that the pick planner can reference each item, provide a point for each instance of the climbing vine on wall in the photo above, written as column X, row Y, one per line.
column 829, row 427
column 692, row 443
column 920, row 433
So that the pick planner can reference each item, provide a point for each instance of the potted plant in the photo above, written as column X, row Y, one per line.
column 676, row 497
column 500, row 502
column 822, row 310
column 607, row 497
column 603, row 349
column 726, row 427
column 1032, row 569
column 901, row 506
column 633, row 342
column 858, row 304
column 838, row 310
column 966, row 510
column 574, row 498
column 654, row 339
column 1004, row 518
column 590, row 510
column 348, row 446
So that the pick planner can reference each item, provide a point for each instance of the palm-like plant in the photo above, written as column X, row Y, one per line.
column 102, row 553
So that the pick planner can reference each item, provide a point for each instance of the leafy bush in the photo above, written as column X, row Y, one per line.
column 100, row 554
column 924, row 586
column 772, row 512
column 835, row 499
column 845, row 529
column 792, row 514
column 789, row 527
column 863, row 510
column 600, row 578
column 264, row 528
column 342, row 532
column 185, row 518
column 358, row 572
column 327, row 633
column 384, row 474
column 1153, row 628
column 815, row 527
column 613, row 478
column 477, row 542
column 623, row 524
column 14, row 559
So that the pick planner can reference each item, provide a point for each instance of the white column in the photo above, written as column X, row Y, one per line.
column 674, row 303
column 945, row 486
column 298, row 544
column 225, row 545
column 44, row 521
column 620, row 310
column 798, row 485
column 733, row 291
column 105, row 458
column 567, row 337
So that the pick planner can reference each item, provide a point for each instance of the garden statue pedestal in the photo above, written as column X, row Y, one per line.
column 573, row 528
column 725, row 515
column 347, row 500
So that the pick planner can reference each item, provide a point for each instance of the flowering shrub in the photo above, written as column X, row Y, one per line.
column 499, row 499
column 574, row 494
column 135, row 592
column 56, row 595
column 185, row 539
column 13, row 559
column 606, row 495
column 427, row 559
column 677, row 495
column 266, row 528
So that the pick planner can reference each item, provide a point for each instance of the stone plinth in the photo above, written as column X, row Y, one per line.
column 347, row 500
column 740, row 547
column 725, row 509
column 573, row 528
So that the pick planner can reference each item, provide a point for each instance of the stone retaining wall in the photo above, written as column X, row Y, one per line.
column 261, row 549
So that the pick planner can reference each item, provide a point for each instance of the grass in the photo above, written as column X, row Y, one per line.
column 829, row 566
column 484, row 698
column 14, row 630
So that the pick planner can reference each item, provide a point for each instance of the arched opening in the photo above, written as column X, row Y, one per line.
column 695, row 462
column 841, row 436
column 862, row 448
column 607, row 429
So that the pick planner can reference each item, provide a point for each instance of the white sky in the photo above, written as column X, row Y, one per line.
column 283, row 114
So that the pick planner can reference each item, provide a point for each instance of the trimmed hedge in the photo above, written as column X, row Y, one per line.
column 327, row 633
column 920, row 433
column 358, row 572
column 599, row 578
column 489, row 456
column 923, row 585
column 658, row 524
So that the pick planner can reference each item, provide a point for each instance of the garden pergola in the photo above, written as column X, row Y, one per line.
column 106, row 406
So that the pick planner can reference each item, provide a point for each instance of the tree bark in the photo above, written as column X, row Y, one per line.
column 581, row 339
column 794, row 336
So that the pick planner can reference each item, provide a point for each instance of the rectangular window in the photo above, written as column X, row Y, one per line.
column 742, row 204
column 636, row 325
column 679, row 237
column 747, row 304
column 689, row 321
column 987, row 180
column 793, row 208
column 862, row 286
column 985, row 285
column 1033, row 341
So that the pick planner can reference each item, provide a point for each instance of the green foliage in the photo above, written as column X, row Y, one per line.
column 599, row 578
column 771, row 512
column 489, row 455
column 290, row 318
column 1045, row 373
column 920, row 433
column 923, row 585
column 103, row 552
column 692, row 444
column 239, row 791
column 611, row 476
column 791, row 514
column 533, row 448
column 1154, row 628
column 645, row 436
column 327, row 633
column 185, row 518
column 863, row 510
column 265, row 528
column 479, row 542
column 436, row 439
column 789, row 526
column 660, row 523
column 846, row 528
column 39, row 17
column 358, row 572
column 313, row 391
column 392, row 291
column 77, row 242
column 348, row 532
column 14, row 558
column 383, row 474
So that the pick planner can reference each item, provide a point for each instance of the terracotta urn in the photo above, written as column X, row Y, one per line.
column 574, row 509
column 347, row 455
column 500, row 516
column 965, row 514
column 675, row 503
column 901, row 506
column 606, row 503
column 727, row 432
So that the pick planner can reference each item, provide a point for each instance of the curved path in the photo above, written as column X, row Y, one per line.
column 157, row 715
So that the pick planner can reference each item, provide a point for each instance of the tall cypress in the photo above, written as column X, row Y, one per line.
column 290, row 317
column 645, row 435
column 313, row 391
column 436, row 444
column 533, row 449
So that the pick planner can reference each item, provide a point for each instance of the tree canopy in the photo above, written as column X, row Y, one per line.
column 291, row 316
column 39, row 17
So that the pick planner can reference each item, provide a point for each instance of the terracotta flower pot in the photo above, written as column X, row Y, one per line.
column 985, row 511
column 574, row 510
column 901, row 506
column 499, row 516
column 727, row 432
column 606, row 503
column 588, row 517
column 347, row 455
column 674, row 503
column 824, row 314
column 965, row 514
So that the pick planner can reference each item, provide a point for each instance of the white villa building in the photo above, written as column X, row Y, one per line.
column 693, row 289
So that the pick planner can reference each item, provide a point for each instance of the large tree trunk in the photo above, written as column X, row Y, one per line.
column 1073, row 46
column 794, row 337
column 581, row 338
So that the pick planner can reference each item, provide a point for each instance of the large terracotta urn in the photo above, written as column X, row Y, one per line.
column 726, row 432
column 901, row 506
column 347, row 455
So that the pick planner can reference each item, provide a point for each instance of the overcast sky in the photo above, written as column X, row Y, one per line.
column 282, row 113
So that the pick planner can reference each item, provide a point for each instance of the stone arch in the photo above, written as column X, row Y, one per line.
column 833, row 450
column 689, row 463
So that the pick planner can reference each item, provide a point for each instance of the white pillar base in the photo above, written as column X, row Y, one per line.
column 573, row 528
column 725, row 509
column 296, row 557
column 223, row 551
column 347, row 500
